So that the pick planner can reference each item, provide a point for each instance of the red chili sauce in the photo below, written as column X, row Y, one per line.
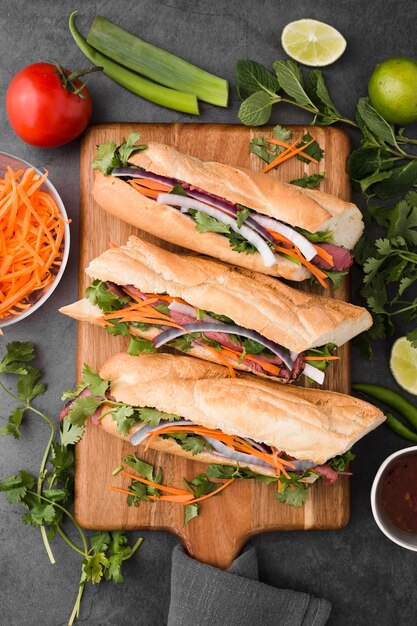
column 399, row 493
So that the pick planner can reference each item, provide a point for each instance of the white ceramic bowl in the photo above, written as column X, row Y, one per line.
column 38, row 297
column 401, row 537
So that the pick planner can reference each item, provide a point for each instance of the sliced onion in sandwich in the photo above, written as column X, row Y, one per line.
column 239, row 457
column 202, row 327
column 141, row 434
column 231, row 210
column 303, row 244
column 171, row 199
column 314, row 373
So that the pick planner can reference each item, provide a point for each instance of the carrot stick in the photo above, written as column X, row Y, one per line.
column 181, row 498
column 219, row 357
column 324, row 255
column 156, row 485
column 281, row 157
column 322, row 358
column 151, row 184
column 213, row 493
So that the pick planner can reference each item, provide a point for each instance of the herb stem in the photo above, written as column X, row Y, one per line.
column 76, row 609
column 72, row 518
column 69, row 541
column 345, row 120
column 135, row 547
column 43, row 464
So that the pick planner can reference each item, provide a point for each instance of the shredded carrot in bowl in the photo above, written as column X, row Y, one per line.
column 32, row 239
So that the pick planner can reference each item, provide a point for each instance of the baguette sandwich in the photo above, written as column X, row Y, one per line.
column 239, row 216
column 192, row 408
column 213, row 311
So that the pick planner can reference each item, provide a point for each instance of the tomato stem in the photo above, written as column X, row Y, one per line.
column 68, row 80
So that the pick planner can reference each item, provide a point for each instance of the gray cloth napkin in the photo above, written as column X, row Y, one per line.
column 202, row 595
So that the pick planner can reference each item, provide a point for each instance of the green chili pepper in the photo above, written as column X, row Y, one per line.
column 391, row 398
column 399, row 428
column 170, row 98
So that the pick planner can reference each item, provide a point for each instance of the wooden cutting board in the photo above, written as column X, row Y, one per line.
column 246, row 507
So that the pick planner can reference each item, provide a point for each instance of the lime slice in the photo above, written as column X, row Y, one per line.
column 312, row 43
column 403, row 364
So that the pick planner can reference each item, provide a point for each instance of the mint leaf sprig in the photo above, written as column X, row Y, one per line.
column 47, row 496
column 380, row 166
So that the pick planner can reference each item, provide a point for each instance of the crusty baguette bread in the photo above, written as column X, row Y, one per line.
column 308, row 424
column 311, row 210
column 292, row 318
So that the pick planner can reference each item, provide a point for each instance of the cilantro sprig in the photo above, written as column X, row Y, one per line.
column 46, row 497
column 109, row 155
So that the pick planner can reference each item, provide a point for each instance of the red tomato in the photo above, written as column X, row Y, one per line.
column 42, row 110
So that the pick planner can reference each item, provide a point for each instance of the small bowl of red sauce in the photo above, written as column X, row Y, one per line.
column 394, row 497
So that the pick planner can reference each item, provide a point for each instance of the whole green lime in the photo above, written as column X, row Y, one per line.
column 393, row 90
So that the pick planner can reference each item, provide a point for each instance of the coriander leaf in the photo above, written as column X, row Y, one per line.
column 378, row 126
column 117, row 328
column 194, row 444
column 178, row 190
column 94, row 567
column 319, row 236
column 39, row 514
column 16, row 487
column 184, row 343
column 281, row 133
column 114, row 569
column 200, row 314
column 201, row 485
column 99, row 294
column 109, row 156
column 262, row 149
column 118, row 540
column 190, row 512
column 70, row 394
column 240, row 244
column 28, row 387
column 100, row 541
column 340, row 462
column 403, row 221
column 291, row 81
column 242, row 215
column 336, row 277
column 294, row 495
column 312, row 150
column 13, row 422
column 221, row 318
column 128, row 147
column 252, row 76
column 137, row 345
column 56, row 495
column 62, row 459
column 143, row 469
column 93, row 381
column 153, row 416
column 256, row 110
column 106, row 159
column 402, row 178
column 70, row 434
column 412, row 337
column 309, row 182
column 125, row 417
column 16, row 353
column 253, row 347
column 81, row 409
column 207, row 224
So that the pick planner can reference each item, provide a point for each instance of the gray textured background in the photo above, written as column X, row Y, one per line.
column 366, row 577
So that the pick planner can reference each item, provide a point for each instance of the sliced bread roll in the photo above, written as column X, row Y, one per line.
column 294, row 319
column 308, row 424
